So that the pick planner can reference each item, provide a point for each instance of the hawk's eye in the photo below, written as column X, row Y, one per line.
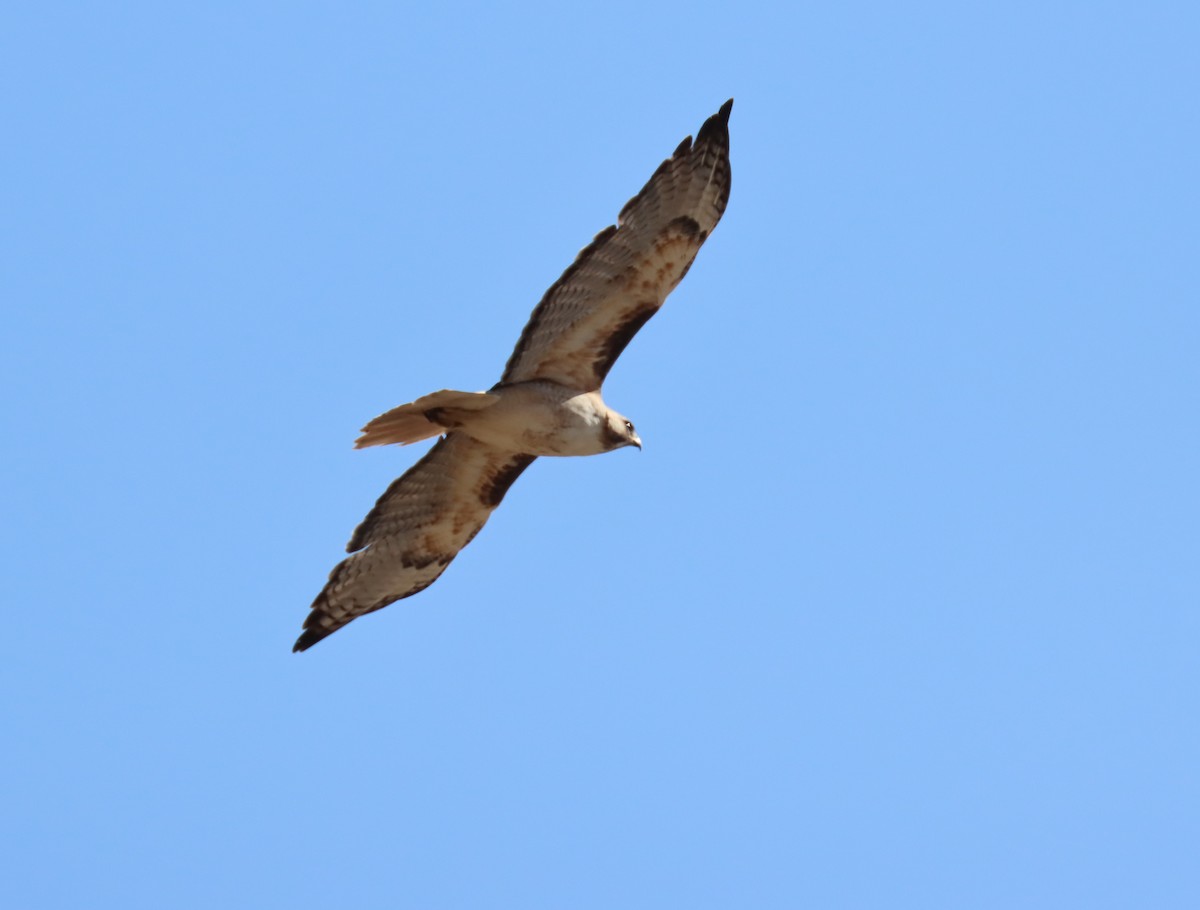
column 629, row 426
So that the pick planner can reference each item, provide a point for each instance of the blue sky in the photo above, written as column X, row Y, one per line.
column 898, row 607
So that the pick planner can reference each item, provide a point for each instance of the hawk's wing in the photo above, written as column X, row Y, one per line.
column 623, row 276
column 415, row 530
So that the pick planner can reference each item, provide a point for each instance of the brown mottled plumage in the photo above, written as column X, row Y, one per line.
column 547, row 401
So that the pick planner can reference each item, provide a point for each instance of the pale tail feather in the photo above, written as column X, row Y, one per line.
column 410, row 422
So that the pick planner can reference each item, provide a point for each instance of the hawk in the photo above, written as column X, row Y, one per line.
column 547, row 402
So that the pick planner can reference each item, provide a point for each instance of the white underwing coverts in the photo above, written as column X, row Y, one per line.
column 547, row 401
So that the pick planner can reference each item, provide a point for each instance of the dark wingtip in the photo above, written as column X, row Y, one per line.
column 309, row 638
column 717, row 124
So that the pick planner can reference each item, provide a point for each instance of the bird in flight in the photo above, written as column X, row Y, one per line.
column 547, row 402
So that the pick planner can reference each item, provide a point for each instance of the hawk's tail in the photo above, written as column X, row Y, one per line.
column 422, row 419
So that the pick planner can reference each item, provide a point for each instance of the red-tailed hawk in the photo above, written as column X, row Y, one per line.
column 546, row 403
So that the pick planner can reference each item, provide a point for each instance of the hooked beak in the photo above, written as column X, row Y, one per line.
column 636, row 441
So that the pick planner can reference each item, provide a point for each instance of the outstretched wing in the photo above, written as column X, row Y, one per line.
column 622, row 277
column 415, row 530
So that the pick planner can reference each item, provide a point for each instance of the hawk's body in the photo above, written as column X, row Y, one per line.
column 546, row 403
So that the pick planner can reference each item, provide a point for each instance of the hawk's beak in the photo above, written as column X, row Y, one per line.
column 636, row 441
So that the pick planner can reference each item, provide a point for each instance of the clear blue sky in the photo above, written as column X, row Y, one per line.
column 898, row 607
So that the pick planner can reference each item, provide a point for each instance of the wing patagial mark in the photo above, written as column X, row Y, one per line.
column 493, row 494
column 424, row 562
column 622, row 335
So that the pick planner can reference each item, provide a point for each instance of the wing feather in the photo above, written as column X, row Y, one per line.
column 622, row 277
column 416, row 528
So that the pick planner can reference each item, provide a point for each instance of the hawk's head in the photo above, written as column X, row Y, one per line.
column 618, row 432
